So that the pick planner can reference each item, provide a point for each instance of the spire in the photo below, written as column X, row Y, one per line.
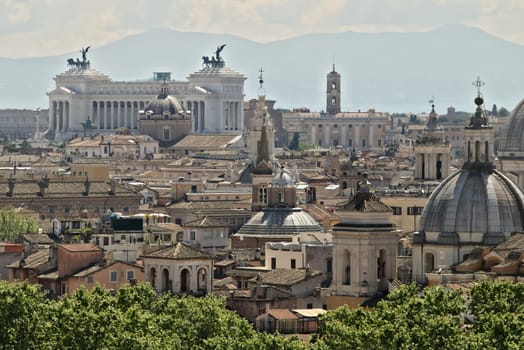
column 478, row 120
column 432, row 124
column 263, row 147
column 478, row 135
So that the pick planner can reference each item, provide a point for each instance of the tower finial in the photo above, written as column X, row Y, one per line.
column 478, row 84
column 432, row 102
column 261, row 91
column 479, row 101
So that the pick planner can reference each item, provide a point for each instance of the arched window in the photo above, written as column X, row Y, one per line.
column 346, row 272
column 262, row 195
column 184, row 281
column 152, row 277
column 166, row 283
column 429, row 262
column 381, row 264
column 167, row 134
column 202, row 280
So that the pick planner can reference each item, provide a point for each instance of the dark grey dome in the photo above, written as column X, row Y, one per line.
column 280, row 221
column 165, row 104
column 512, row 142
column 476, row 200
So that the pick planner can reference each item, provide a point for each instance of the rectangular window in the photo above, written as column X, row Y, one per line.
column 130, row 275
column 89, row 279
column 397, row 210
column 415, row 210
column 273, row 263
column 106, row 240
column 113, row 276
column 192, row 235
column 293, row 264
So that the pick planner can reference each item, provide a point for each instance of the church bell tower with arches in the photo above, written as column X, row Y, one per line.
column 333, row 92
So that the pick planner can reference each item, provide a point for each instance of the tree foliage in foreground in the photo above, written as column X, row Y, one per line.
column 435, row 318
column 136, row 318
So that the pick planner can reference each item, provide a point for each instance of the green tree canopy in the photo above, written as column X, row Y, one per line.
column 433, row 318
column 134, row 318
column 13, row 224
column 489, row 316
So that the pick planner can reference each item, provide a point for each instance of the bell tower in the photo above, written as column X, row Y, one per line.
column 432, row 151
column 333, row 92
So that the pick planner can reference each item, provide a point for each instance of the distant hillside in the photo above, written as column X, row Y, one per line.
column 395, row 72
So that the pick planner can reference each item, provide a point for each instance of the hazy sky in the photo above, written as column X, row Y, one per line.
column 49, row 27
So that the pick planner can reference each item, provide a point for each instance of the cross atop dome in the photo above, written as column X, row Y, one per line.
column 478, row 84
column 261, row 90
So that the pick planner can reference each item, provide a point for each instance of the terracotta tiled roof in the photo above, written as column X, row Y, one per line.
column 282, row 314
column 515, row 242
column 205, row 222
column 286, row 277
column 56, row 189
column 32, row 261
column 178, row 251
column 205, row 141
column 37, row 238
column 81, row 247
column 167, row 226
column 97, row 267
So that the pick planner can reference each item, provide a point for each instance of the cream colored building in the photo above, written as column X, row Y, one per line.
column 432, row 152
column 179, row 269
column 111, row 277
column 213, row 95
column 112, row 146
column 365, row 246
column 354, row 130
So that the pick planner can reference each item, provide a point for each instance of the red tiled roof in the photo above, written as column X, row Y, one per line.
column 282, row 314
column 81, row 247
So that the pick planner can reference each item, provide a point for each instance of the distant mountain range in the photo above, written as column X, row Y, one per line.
column 393, row 72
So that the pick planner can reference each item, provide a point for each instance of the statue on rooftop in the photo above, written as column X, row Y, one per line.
column 80, row 64
column 215, row 61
